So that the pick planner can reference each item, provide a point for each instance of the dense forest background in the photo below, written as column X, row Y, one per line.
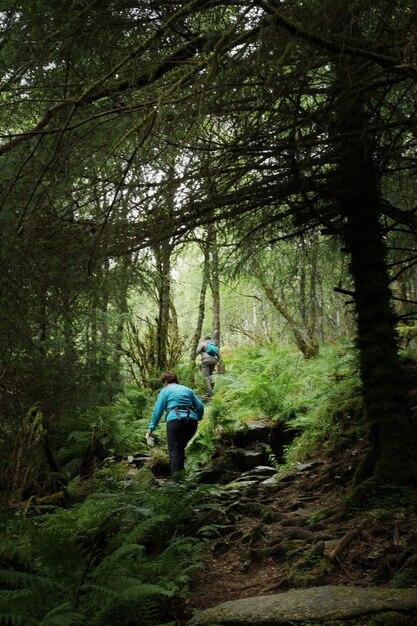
column 171, row 169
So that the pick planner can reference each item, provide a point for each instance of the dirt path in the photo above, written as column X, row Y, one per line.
column 296, row 535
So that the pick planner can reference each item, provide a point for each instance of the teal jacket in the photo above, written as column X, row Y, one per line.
column 176, row 395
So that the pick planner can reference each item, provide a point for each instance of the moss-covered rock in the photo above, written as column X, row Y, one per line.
column 316, row 605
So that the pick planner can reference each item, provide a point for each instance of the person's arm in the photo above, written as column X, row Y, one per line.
column 158, row 411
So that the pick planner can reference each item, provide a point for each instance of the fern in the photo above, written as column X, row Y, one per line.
column 315, row 397
column 139, row 603
column 116, row 557
column 62, row 615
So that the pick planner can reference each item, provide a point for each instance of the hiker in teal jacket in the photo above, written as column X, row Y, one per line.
column 184, row 411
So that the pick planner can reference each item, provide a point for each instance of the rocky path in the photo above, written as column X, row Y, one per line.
column 273, row 532
column 278, row 532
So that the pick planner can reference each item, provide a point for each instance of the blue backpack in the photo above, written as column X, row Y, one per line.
column 212, row 349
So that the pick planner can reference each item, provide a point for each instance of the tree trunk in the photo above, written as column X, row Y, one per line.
column 312, row 317
column 392, row 459
column 175, row 341
column 307, row 348
column 215, row 287
column 308, row 307
column 104, row 322
column 201, row 304
column 120, row 328
column 163, row 261
column 302, row 283
column 261, row 307
column 215, row 290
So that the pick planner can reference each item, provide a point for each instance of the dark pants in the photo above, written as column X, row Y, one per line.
column 179, row 433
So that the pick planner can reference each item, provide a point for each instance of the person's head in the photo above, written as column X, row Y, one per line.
column 207, row 337
column 168, row 378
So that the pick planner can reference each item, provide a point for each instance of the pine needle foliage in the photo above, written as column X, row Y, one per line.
column 118, row 557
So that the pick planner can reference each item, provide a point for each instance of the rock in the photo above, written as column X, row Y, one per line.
column 314, row 604
column 206, row 518
column 240, row 484
column 329, row 546
column 272, row 482
column 219, row 470
column 254, row 432
column 304, row 466
column 304, row 513
column 272, row 433
column 247, row 459
column 289, row 474
column 260, row 471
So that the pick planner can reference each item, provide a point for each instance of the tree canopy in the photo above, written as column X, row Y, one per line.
column 128, row 129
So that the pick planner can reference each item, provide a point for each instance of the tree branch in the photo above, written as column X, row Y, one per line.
column 384, row 60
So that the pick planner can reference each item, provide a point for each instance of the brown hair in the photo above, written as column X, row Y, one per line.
column 168, row 377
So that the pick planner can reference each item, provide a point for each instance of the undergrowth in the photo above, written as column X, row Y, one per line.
column 120, row 553
column 120, row 556
column 317, row 398
column 119, row 428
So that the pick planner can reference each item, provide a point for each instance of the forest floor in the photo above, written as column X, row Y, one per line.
column 297, row 534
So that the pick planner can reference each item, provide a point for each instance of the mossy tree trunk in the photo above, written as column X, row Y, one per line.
column 163, row 262
column 392, row 457
column 201, row 303
column 309, row 348
column 215, row 286
column 215, row 291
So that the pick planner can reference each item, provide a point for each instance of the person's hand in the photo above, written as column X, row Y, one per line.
column 149, row 438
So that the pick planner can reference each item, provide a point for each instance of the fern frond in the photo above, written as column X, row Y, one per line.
column 124, row 555
column 15, row 579
column 141, row 601
column 62, row 615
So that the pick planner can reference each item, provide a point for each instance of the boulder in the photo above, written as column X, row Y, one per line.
column 317, row 604
column 256, row 432
column 247, row 459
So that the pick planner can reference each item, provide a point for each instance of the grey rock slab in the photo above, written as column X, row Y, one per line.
column 242, row 484
column 260, row 471
column 317, row 604
column 304, row 513
column 272, row 482
column 304, row 466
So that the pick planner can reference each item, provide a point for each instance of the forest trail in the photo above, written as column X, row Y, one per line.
column 290, row 532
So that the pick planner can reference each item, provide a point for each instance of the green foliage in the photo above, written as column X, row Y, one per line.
column 120, row 428
column 187, row 373
column 216, row 421
column 390, row 500
column 329, row 403
column 117, row 557
column 407, row 334
column 317, row 398
column 261, row 382
column 407, row 574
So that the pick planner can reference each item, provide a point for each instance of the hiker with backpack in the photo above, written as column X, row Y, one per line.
column 209, row 359
column 184, row 410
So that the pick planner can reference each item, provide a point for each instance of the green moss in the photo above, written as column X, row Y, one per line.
column 392, row 618
column 389, row 618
